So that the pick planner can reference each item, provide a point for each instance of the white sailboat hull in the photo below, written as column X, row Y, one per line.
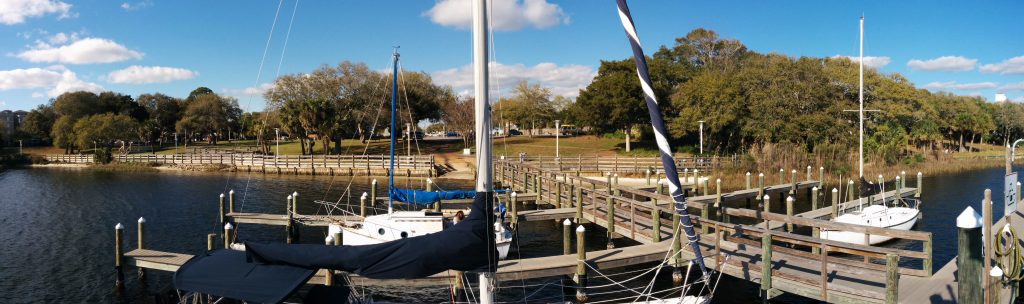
column 898, row 218
column 382, row 228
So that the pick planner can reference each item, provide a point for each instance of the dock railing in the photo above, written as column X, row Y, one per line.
column 618, row 164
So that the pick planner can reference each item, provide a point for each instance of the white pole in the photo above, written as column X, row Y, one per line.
column 860, row 96
column 558, row 133
column 21, row 148
column 483, row 123
column 702, row 137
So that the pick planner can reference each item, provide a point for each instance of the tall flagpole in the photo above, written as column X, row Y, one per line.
column 484, row 184
column 659, row 135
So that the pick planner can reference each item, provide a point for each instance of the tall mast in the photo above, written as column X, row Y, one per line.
column 394, row 102
column 484, row 185
column 860, row 96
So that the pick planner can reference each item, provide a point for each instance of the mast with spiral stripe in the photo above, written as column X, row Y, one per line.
column 659, row 134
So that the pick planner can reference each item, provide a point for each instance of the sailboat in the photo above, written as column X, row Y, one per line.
column 901, row 216
column 395, row 225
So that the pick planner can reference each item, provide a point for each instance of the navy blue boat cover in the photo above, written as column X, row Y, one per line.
column 466, row 246
column 225, row 273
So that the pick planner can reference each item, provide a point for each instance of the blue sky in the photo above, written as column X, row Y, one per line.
column 145, row 46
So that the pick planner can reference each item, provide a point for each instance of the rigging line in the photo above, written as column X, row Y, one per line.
column 259, row 74
column 497, row 83
column 408, row 109
column 287, row 35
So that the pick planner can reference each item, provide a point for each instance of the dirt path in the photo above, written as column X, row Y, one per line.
column 456, row 165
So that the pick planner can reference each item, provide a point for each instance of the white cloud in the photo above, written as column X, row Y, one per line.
column 961, row 86
column 1013, row 86
column 149, row 74
column 15, row 11
column 128, row 6
column 57, row 79
column 84, row 51
column 565, row 80
column 256, row 90
column 944, row 63
column 1013, row 65
column 506, row 15
column 869, row 61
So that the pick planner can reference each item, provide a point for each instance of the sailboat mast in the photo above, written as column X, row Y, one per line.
column 394, row 103
column 484, row 185
column 860, row 96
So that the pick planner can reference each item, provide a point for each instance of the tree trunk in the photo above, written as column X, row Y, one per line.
column 337, row 145
column 961, row 141
column 302, row 145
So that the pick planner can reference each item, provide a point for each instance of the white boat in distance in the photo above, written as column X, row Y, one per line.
column 903, row 213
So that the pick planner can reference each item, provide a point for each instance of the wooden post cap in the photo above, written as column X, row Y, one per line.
column 581, row 229
column 566, row 222
column 968, row 219
column 142, row 220
column 119, row 226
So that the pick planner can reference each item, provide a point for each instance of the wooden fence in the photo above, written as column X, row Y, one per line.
column 620, row 164
column 297, row 164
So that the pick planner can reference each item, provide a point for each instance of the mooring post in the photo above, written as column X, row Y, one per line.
column 986, row 230
column 892, row 278
column 919, row 185
column 515, row 210
column 809, row 173
column 766, row 262
column 221, row 204
column 903, row 177
column 459, row 286
column 290, row 214
column 789, row 212
column 656, row 225
column 899, row 186
column 849, row 191
column 782, row 176
column 579, row 204
column 814, row 198
column 142, row 237
column 566, row 237
column 760, row 184
column 611, row 221
column 835, row 203
column 295, row 202
column 677, row 254
column 558, row 194
column 362, row 205
column 647, row 175
column 608, row 180
column 228, row 233
column 718, row 198
column 581, row 267
column 616, row 185
column 766, row 204
column 821, row 176
column 792, row 182
column 373, row 193
column 231, row 201
column 328, row 274
column 969, row 259
column 704, row 183
column 211, row 241
column 705, row 214
column 658, row 188
column 119, row 256
column 747, row 184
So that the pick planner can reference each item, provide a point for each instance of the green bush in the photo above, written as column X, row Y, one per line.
column 103, row 156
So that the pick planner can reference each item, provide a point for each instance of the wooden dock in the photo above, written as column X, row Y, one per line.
column 739, row 242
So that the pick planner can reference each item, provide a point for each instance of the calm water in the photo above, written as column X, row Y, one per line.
column 56, row 229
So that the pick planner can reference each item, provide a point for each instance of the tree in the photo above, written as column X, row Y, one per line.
column 164, row 112
column 613, row 101
column 39, row 122
column 105, row 130
column 210, row 115
column 459, row 115
column 64, row 133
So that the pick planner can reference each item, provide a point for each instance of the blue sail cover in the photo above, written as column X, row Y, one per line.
column 421, row 197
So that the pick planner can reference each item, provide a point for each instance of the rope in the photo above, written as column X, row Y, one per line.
column 1008, row 253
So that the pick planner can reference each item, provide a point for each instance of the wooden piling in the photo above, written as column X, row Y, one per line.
column 766, row 205
column 704, row 185
column 228, row 233
column 119, row 256
column 766, row 262
column 835, row 203
column 373, row 193
column 289, row 227
column 892, row 278
column 231, row 201
column 849, row 191
column 747, row 184
column 760, row 184
column 782, row 176
column 328, row 274
column 514, row 210
column 969, row 259
column 558, row 194
column 647, row 175
column 809, row 173
column 615, row 185
column 362, row 205
column 581, row 267
column 140, row 242
column 919, row 185
column 814, row 198
column 789, row 212
column 579, row 204
column 611, row 221
column 821, row 176
column 566, row 237
column 221, row 204
column 656, row 226
column 295, row 203
column 211, row 241
column 986, row 230
column 903, row 177
column 792, row 182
